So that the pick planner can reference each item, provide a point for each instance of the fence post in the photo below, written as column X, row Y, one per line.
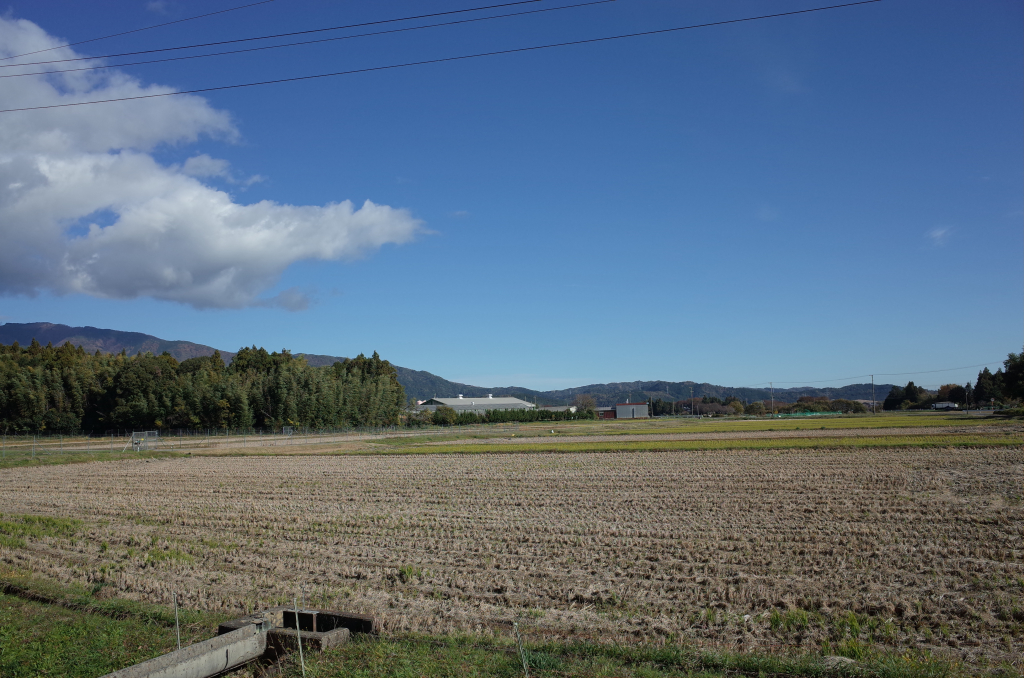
column 298, row 636
column 177, row 627
column 522, row 654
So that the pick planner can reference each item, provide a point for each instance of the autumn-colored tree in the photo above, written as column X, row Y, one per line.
column 584, row 402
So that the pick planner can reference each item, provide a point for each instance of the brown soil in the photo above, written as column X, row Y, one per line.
column 748, row 549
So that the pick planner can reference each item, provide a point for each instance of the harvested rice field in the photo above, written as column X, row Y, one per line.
column 825, row 550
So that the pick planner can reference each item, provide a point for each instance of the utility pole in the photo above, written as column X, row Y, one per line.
column 872, row 394
column 691, row 401
column 773, row 397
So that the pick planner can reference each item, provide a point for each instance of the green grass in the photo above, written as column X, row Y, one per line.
column 15, row 459
column 915, row 441
column 51, row 630
column 15, row 528
column 830, row 423
column 463, row 442
column 413, row 656
column 710, row 425
column 37, row 639
column 169, row 554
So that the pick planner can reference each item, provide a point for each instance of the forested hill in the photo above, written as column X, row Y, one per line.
column 93, row 339
column 417, row 384
column 607, row 394
column 421, row 385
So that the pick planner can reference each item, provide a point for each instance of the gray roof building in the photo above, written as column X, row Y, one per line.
column 478, row 405
column 558, row 408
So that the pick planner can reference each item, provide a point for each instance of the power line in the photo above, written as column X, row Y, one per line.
column 441, row 60
column 309, row 42
column 879, row 374
column 138, row 30
column 269, row 37
column 951, row 369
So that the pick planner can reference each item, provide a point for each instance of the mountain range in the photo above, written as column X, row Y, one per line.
column 422, row 385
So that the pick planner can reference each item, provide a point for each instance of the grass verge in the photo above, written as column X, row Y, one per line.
column 833, row 423
column 671, row 425
column 51, row 630
column 22, row 458
column 409, row 656
column 904, row 441
column 47, row 629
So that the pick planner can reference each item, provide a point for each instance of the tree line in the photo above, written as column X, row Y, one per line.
column 1004, row 388
column 447, row 416
column 64, row 389
column 731, row 405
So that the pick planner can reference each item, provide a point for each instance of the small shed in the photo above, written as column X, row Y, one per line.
column 631, row 411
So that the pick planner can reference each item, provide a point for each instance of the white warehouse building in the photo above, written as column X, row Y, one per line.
column 475, row 405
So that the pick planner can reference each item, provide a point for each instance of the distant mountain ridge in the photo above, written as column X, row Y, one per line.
column 422, row 385
column 93, row 339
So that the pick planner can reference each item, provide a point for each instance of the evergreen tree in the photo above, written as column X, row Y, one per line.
column 1013, row 375
column 64, row 389
column 985, row 387
column 895, row 399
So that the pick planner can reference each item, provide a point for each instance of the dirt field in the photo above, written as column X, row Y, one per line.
column 904, row 548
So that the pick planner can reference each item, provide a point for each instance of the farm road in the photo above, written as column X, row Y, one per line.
column 735, row 435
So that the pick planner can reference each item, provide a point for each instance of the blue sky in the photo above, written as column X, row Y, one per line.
column 793, row 199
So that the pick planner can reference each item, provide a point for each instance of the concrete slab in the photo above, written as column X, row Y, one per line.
column 208, row 658
column 284, row 641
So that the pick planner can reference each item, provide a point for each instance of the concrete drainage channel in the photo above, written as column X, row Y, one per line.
column 259, row 638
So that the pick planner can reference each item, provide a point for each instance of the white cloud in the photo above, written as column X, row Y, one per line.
column 205, row 166
column 938, row 236
column 164, row 233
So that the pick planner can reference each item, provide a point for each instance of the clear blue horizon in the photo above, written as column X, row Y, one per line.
column 794, row 199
